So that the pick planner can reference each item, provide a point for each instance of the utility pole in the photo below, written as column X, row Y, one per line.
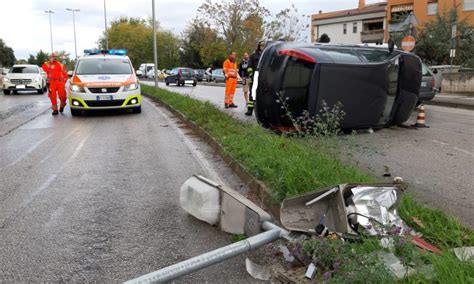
column 74, row 25
column 106, row 31
column 155, row 55
column 50, row 29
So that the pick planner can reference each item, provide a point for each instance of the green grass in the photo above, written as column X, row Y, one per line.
column 290, row 166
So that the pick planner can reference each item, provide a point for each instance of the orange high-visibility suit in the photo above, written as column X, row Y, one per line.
column 230, row 72
column 57, row 77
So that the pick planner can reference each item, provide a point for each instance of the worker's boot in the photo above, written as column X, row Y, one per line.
column 232, row 105
column 55, row 112
column 226, row 105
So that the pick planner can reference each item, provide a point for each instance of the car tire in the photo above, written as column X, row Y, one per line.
column 194, row 84
column 76, row 112
column 167, row 83
column 40, row 91
column 137, row 109
column 6, row 92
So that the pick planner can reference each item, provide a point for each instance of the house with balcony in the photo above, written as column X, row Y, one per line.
column 406, row 16
column 364, row 24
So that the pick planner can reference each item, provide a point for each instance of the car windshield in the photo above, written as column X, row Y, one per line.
column 103, row 66
column 24, row 69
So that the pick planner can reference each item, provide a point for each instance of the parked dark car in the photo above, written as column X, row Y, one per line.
column 181, row 76
column 218, row 76
column 376, row 87
column 199, row 74
column 427, row 89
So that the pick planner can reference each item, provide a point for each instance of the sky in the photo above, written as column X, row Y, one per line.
column 24, row 25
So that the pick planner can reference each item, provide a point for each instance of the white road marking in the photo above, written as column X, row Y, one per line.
column 454, row 147
column 27, row 152
column 198, row 155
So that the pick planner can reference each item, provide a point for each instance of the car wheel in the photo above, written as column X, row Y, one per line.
column 137, row 109
column 167, row 83
column 194, row 84
column 40, row 91
column 6, row 92
column 76, row 112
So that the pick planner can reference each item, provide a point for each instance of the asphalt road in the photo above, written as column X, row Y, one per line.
column 96, row 198
column 437, row 162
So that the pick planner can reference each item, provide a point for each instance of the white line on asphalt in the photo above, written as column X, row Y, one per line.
column 454, row 147
column 52, row 152
column 464, row 151
column 27, row 152
column 198, row 156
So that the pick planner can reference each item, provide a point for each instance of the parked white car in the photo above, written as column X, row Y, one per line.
column 24, row 77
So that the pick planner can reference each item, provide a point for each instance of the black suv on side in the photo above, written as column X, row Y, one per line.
column 376, row 87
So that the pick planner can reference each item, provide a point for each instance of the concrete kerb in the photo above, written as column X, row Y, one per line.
column 259, row 192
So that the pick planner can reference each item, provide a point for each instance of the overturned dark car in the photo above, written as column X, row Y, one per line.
column 377, row 87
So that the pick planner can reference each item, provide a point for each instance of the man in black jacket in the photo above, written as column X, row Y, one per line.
column 253, row 63
column 243, row 73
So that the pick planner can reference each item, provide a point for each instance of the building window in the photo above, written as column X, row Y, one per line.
column 354, row 28
column 468, row 5
column 344, row 28
column 432, row 8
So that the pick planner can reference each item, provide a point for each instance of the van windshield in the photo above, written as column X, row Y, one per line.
column 103, row 66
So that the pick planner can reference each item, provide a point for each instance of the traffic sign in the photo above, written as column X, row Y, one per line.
column 408, row 43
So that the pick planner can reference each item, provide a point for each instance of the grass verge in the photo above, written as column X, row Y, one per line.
column 289, row 167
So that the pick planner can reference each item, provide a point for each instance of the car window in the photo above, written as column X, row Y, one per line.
column 24, row 70
column 174, row 71
column 296, row 83
column 425, row 71
column 374, row 55
column 103, row 66
column 342, row 55
column 185, row 71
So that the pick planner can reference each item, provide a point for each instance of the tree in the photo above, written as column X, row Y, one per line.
column 434, row 40
column 7, row 56
column 202, row 46
column 324, row 38
column 286, row 26
column 39, row 58
column 238, row 22
column 136, row 36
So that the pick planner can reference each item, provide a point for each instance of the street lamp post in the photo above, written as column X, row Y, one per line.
column 50, row 29
column 106, row 31
column 74, row 25
column 155, row 56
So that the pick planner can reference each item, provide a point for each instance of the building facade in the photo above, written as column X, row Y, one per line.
column 403, row 13
column 365, row 24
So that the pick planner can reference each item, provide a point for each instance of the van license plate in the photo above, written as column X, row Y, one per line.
column 104, row 98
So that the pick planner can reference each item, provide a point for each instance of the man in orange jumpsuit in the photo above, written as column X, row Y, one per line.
column 57, row 77
column 230, row 72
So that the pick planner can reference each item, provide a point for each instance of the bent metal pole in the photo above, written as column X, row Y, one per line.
column 204, row 260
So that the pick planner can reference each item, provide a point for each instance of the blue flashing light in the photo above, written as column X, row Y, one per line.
column 95, row 51
column 121, row 52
